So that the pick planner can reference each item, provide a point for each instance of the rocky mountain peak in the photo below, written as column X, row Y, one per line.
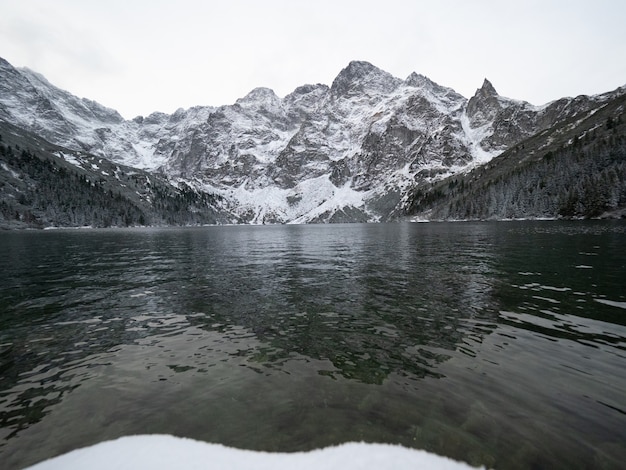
column 363, row 77
column 259, row 95
column 484, row 105
column 361, row 68
column 487, row 89
column 416, row 80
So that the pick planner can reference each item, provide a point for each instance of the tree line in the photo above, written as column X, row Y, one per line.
column 41, row 190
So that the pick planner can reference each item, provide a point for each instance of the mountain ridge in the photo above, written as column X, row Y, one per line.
column 351, row 151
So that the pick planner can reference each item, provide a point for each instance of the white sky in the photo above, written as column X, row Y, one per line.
column 140, row 56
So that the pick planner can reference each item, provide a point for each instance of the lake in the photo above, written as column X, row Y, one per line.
column 496, row 343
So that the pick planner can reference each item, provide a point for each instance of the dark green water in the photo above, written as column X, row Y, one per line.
column 501, row 344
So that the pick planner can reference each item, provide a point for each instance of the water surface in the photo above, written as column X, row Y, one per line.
column 501, row 344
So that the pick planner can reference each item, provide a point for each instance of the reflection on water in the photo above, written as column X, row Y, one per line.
column 462, row 339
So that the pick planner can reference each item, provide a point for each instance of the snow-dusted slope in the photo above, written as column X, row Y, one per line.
column 29, row 101
column 347, row 152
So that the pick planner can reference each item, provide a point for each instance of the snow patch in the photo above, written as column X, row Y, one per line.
column 156, row 452
column 473, row 137
column 145, row 156
column 309, row 199
column 70, row 158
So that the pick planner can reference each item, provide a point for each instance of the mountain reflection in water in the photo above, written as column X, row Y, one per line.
column 461, row 339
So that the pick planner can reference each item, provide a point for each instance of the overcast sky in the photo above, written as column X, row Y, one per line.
column 140, row 56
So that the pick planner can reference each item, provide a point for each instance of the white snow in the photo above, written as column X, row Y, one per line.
column 146, row 158
column 338, row 198
column 156, row 452
column 70, row 158
column 473, row 137
column 300, row 204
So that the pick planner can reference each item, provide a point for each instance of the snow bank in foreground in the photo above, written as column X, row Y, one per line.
column 166, row 452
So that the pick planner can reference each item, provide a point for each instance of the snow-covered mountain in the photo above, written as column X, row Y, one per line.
column 348, row 152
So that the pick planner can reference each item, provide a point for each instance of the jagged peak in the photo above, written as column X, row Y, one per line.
column 432, row 91
column 487, row 89
column 354, row 72
column 419, row 81
column 259, row 94
column 486, row 102
column 360, row 67
column 415, row 79
column 361, row 75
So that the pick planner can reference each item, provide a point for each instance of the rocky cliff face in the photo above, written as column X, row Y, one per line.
column 348, row 152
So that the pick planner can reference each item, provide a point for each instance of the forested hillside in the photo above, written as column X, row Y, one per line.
column 42, row 185
column 574, row 170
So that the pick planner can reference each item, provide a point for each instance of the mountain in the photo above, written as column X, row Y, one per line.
column 358, row 150
column 576, row 168
column 44, row 185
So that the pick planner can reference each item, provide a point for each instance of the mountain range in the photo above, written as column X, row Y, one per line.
column 370, row 147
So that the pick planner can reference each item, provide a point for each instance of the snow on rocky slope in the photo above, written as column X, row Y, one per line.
column 348, row 152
